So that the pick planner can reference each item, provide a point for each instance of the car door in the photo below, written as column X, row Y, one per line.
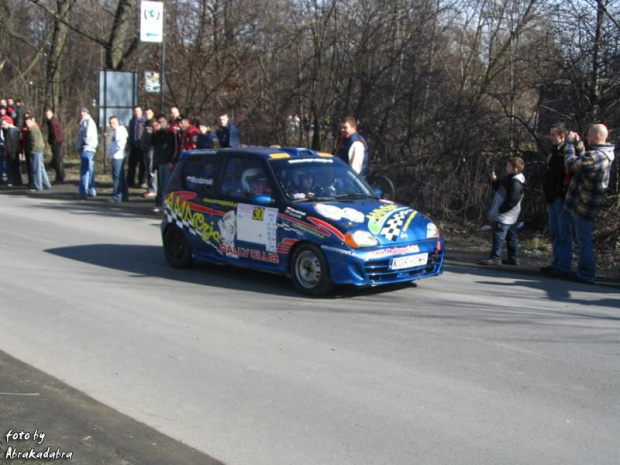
column 191, row 203
column 248, row 223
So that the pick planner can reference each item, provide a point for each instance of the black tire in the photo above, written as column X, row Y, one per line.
column 310, row 271
column 380, row 181
column 176, row 248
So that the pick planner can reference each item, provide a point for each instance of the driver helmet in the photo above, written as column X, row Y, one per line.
column 255, row 181
column 301, row 176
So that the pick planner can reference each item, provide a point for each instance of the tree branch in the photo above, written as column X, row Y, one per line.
column 53, row 14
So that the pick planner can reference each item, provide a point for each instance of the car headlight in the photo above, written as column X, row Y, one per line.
column 431, row 230
column 359, row 239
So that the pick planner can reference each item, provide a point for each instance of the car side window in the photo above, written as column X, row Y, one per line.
column 244, row 178
column 200, row 173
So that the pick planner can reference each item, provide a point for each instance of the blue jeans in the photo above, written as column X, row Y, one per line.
column 4, row 166
column 87, row 174
column 561, row 232
column 39, row 175
column 163, row 177
column 151, row 173
column 586, row 267
column 505, row 234
column 120, row 192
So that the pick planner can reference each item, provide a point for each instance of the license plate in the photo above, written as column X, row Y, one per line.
column 409, row 261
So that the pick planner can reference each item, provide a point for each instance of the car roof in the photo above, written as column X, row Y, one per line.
column 265, row 153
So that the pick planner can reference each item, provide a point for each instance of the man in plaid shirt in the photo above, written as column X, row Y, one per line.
column 586, row 192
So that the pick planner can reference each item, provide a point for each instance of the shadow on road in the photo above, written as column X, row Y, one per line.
column 148, row 261
column 557, row 290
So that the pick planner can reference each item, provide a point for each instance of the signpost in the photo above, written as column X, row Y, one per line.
column 152, row 30
column 152, row 22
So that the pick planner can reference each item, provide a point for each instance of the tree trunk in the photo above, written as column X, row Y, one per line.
column 115, row 52
column 595, row 91
column 55, row 58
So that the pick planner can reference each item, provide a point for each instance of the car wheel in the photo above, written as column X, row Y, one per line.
column 310, row 271
column 176, row 248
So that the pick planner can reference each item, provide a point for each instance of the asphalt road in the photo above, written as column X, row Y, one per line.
column 474, row 367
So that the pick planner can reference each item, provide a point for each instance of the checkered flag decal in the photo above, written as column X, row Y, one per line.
column 187, row 226
column 174, row 218
column 393, row 226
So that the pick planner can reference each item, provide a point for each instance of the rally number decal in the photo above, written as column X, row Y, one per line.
column 258, row 214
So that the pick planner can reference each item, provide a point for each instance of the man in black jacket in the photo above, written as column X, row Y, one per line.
column 150, row 127
column 560, row 221
column 136, row 154
column 227, row 134
column 164, row 143
column 20, row 113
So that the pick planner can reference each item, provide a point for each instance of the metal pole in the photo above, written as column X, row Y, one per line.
column 163, row 57
column 105, row 114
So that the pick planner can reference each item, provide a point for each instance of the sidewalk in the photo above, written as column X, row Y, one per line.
column 69, row 190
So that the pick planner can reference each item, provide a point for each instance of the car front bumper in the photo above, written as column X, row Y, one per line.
column 363, row 267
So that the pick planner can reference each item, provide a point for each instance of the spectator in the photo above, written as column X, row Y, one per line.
column 11, row 136
column 505, row 211
column 175, row 119
column 187, row 135
column 26, row 149
column 10, row 110
column 227, row 133
column 164, row 143
column 4, row 168
column 353, row 149
column 116, row 151
column 56, row 139
column 150, row 126
column 560, row 221
column 206, row 139
column 136, row 154
column 586, row 192
column 20, row 113
column 86, row 144
column 36, row 146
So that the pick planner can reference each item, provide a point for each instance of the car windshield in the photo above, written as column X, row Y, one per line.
column 304, row 179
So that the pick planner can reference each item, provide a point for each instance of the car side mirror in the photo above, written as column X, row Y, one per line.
column 263, row 199
column 378, row 192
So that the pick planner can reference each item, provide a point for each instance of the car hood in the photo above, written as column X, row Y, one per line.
column 391, row 223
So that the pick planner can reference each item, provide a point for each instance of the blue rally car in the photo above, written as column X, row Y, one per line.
column 295, row 212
